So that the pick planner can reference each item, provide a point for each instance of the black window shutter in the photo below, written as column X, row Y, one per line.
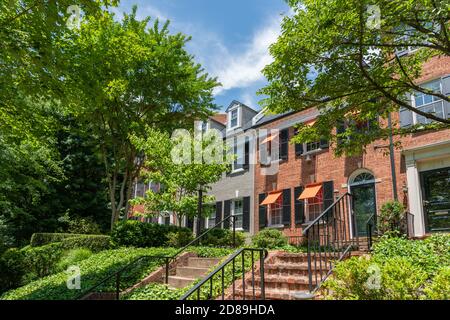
column 262, row 211
column 218, row 212
column 328, row 194
column 340, row 128
column 246, row 214
column 287, row 207
column 299, row 206
column 226, row 213
column 284, row 144
column 298, row 146
column 246, row 154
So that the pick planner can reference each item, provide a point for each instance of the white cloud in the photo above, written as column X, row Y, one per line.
column 242, row 69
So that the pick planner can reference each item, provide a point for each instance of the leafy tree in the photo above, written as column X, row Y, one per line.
column 332, row 55
column 124, row 76
column 180, row 182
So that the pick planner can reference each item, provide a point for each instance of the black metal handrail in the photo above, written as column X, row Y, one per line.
column 221, row 270
column 167, row 260
column 370, row 228
column 330, row 237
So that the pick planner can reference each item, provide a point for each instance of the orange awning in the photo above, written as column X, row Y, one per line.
column 268, row 139
column 271, row 198
column 310, row 192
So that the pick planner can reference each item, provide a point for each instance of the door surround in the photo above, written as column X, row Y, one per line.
column 361, row 177
column 418, row 159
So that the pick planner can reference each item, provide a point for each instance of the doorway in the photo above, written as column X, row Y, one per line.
column 362, row 188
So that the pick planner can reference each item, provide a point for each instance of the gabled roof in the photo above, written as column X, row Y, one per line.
column 219, row 118
column 269, row 117
column 235, row 102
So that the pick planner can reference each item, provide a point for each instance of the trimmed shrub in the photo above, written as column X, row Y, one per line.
column 390, row 217
column 40, row 239
column 132, row 233
column 73, row 257
column 95, row 243
column 362, row 278
column 12, row 269
column 179, row 239
column 439, row 288
column 93, row 269
column 269, row 239
column 403, row 269
column 222, row 238
column 42, row 261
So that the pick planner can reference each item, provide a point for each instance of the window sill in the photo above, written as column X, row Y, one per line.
column 276, row 226
column 237, row 171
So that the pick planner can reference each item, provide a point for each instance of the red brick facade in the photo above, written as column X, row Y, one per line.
column 325, row 166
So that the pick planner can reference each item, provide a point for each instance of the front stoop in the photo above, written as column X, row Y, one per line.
column 194, row 269
column 285, row 275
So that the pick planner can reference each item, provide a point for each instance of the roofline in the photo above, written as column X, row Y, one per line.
column 281, row 116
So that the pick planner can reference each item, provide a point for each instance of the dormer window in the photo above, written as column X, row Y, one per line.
column 234, row 118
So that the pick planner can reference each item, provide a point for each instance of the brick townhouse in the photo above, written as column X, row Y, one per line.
column 310, row 177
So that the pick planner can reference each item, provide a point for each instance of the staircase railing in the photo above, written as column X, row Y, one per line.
column 205, row 289
column 330, row 238
column 370, row 229
column 167, row 260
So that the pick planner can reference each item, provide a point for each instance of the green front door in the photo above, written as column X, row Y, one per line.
column 364, row 206
column 436, row 199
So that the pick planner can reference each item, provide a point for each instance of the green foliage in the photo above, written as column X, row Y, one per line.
column 12, row 269
column 400, row 269
column 71, row 241
column 93, row 269
column 348, row 70
column 170, row 162
column 95, row 243
column 42, row 261
column 439, row 288
column 6, row 238
column 40, row 239
column 222, row 238
column 390, row 218
column 134, row 233
column 356, row 279
column 179, row 239
column 269, row 239
column 73, row 257
column 155, row 291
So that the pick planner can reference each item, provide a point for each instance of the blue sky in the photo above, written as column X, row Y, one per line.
column 229, row 38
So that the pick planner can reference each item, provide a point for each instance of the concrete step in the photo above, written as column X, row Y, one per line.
column 180, row 282
column 270, row 294
column 284, row 283
column 191, row 272
column 202, row 262
column 291, row 269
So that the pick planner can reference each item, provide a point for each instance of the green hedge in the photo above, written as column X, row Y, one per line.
column 97, row 267
column 40, row 239
column 132, row 233
column 93, row 269
column 398, row 269
column 95, row 243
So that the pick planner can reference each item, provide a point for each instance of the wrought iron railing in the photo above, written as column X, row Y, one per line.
column 236, row 267
column 167, row 260
column 370, row 229
column 330, row 238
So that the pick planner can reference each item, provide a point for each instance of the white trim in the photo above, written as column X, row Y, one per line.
column 238, row 117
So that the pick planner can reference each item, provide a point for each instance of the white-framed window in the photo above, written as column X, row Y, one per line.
column 204, row 126
column 312, row 146
column 428, row 103
column 238, row 212
column 276, row 213
column 314, row 206
column 234, row 118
